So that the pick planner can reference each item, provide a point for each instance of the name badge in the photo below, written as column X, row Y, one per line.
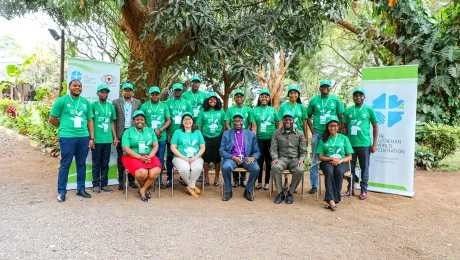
column 354, row 129
column 195, row 112
column 155, row 124
column 177, row 120
column 263, row 127
column 77, row 122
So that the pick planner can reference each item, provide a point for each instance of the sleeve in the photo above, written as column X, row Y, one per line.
column 310, row 107
column 223, row 143
column 143, row 108
column 304, row 112
column 200, row 138
column 90, row 113
column 114, row 114
column 199, row 120
column 302, row 148
column 280, row 112
column 373, row 117
column 345, row 117
column 227, row 115
column 274, row 145
column 56, row 109
column 277, row 117
column 348, row 148
column 175, row 137
column 125, row 139
column 167, row 114
column 320, row 149
column 252, row 118
column 222, row 119
column 340, row 108
column 154, row 136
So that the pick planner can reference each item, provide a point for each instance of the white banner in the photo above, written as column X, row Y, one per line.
column 93, row 73
column 392, row 92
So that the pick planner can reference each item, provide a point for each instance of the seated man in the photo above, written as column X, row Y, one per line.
column 288, row 150
column 239, row 148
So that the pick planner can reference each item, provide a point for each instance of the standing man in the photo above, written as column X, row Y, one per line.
column 288, row 150
column 73, row 116
column 248, row 120
column 157, row 117
column 239, row 148
column 104, row 118
column 356, row 125
column 321, row 107
column 177, row 106
column 195, row 96
column 124, row 107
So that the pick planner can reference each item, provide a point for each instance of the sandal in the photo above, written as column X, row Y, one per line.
column 266, row 187
column 144, row 199
column 259, row 186
column 216, row 184
column 148, row 195
column 327, row 206
column 207, row 184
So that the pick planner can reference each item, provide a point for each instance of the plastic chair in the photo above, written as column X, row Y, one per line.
column 286, row 172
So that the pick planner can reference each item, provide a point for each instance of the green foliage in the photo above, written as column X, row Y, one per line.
column 42, row 94
column 5, row 103
column 442, row 140
column 424, row 159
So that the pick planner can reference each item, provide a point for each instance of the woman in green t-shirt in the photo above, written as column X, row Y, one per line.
column 188, row 145
column 211, row 123
column 140, row 144
column 334, row 152
column 266, row 118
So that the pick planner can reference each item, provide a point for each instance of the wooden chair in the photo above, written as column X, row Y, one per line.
column 286, row 172
column 125, row 173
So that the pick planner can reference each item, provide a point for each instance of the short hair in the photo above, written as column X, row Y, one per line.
column 70, row 83
column 206, row 106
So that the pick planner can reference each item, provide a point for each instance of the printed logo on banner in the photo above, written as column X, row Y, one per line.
column 109, row 79
column 389, row 110
column 76, row 75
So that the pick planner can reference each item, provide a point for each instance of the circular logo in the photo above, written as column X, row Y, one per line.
column 109, row 79
column 68, row 105
column 96, row 112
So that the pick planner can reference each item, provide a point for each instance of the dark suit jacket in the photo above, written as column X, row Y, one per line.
column 251, row 145
column 120, row 110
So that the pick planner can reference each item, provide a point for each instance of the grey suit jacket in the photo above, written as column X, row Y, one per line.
column 251, row 146
column 120, row 110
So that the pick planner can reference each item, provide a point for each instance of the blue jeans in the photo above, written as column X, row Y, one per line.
column 161, row 156
column 71, row 147
column 101, row 158
column 363, row 154
column 169, row 164
column 314, row 170
column 229, row 165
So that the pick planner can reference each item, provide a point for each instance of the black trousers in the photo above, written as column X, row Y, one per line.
column 333, row 179
column 101, row 158
column 264, row 147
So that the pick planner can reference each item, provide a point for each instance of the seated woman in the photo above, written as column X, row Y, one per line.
column 334, row 152
column 140, row 145
column 188, row 145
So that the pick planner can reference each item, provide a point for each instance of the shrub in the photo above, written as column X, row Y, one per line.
column 440, row 140
column 5, row 103
column 424, row 158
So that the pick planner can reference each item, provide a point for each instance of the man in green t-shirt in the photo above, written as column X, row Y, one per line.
column 320, row 108
column 356, row 125
column 177, row 106
column 104, row 119
column 248, row 121
column 195, row 96
column 157, row 117
column 73, row 116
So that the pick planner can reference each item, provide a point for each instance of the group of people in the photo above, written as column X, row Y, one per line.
column 193, row 130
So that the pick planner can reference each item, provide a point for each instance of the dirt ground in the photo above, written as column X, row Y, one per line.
column 34, row 226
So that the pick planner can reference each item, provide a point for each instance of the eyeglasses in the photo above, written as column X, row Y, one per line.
column 187, row 119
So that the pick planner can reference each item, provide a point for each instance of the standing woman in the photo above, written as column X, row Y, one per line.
column 334, row 152
column 211, row 123
column 140, row 144
column 187, row 145
column 300, row 115
column 266, row 118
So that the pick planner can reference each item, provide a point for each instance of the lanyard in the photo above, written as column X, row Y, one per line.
column 158, row 104
column 127, row 107
column 354, row 110
column 177, row 108
column 105, row 114
column 78, row 103
column 189, row 135
column 263, row 116
column 195, row 97
column 327, row 101
column 212, row 113
column 335, row 140
column 238, row 147
column 140, row 134
column 295, row 108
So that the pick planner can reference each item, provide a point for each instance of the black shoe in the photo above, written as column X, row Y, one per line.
column 162, row 186
column 168, row 184
column 243, row 184
column 133, row 185
column 227, row 196
column 60, row 197
column 279, row 198
column 235, row 184
column 148, row 195
column 248, row 195
column 106, row 189
column 200, row 179
column 83, row 193
column 313, row 190
column 289, row 199
column 121, row 188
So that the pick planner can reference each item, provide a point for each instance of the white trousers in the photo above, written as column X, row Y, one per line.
column 189, row 172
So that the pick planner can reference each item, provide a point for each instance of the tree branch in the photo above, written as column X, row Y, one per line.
column 340, row 55
column 250, row 4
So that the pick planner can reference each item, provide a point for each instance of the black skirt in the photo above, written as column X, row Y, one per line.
column 211, row 154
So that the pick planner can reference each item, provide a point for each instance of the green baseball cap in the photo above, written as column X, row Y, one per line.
column 264, row 91
column 186, row 114
column 325, row 82
column 138, row 113
column 154, row 89
column 293, row 87
column 332, row 118
column 127, row 85
column 212, row 94
column 195, row 78
column 102, row 87
column 359, row 90
column 288, row 113
column 177, row 86
column 238, row 91
column 237, row 115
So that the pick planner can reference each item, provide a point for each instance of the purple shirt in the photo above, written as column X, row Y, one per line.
column 238, row 139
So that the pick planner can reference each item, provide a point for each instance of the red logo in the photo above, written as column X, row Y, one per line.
column 109, row 79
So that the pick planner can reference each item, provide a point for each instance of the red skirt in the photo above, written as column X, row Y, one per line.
column 132, row 164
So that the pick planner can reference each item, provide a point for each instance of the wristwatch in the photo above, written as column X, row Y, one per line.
column 91, row 139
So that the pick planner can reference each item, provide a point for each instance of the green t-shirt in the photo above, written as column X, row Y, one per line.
column 155, row 116
column 212, row 122
column 321, row 108
column 337, row 147
column 248, row 115
column 103, row 115
column 300, row 114
column 139, row 142
column 176, row 109
column 188, row 143
column 196, row 100
column 73, row 114
column 266, row 119
column 358, row 122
